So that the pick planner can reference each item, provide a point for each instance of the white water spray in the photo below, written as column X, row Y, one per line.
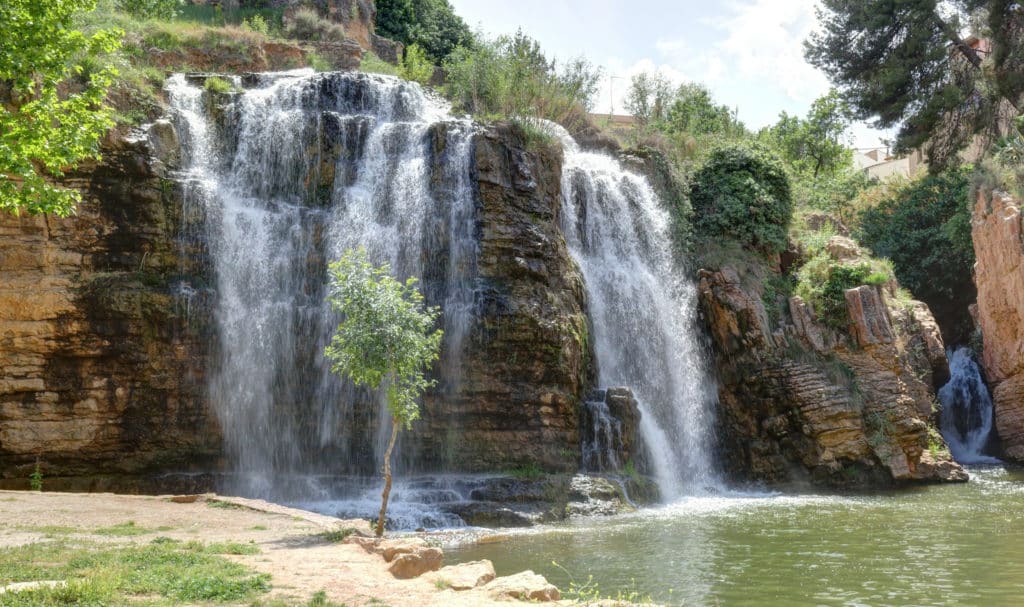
column 643, row 313
column 966, row 419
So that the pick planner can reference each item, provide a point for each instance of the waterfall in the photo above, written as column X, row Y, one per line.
column 643, row 313
column 280, row 178
column 966, row 418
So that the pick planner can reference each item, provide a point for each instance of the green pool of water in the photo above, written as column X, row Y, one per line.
column 935, row 545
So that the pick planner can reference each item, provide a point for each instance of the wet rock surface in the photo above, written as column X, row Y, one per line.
column 102, row 359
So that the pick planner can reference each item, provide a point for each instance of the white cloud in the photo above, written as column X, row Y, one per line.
column 758, row 45
column 764, row 41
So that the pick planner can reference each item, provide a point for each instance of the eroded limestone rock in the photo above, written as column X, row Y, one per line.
column 526, row 586
column 802, row 401
column 466, row 576
column 998, row 234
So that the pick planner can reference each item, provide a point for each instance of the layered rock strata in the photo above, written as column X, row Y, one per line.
column 101, row 361
column 802, row 401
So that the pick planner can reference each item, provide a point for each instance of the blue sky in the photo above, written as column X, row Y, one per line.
column 748, row 52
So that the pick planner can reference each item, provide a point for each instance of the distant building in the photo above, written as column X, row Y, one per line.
column 877, row 163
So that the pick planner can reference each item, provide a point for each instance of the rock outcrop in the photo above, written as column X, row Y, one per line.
column 525, row 370
column 802, row 401
column 102, row 362
column 998, row 235
column 104, row 358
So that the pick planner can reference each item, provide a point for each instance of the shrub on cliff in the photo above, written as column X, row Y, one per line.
column 307, row 24
column 742, row 192
column 510, row 77
column 53, row 84
column 431, row 24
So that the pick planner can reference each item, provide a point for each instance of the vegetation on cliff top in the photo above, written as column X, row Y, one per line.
column 53, row 83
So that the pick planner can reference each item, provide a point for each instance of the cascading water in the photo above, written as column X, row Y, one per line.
column 966, row 419
column 282, row 177
column 643, row 313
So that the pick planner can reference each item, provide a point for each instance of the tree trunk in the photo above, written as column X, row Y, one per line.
column 387, row 477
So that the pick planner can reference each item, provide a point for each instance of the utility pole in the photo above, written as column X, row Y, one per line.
column 611, row 96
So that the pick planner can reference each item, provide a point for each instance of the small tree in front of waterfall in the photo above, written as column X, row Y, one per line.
column 386, row 340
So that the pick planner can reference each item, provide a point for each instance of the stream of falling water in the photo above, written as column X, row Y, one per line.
column 643, row 313
column 966, row 418
column 284, row 176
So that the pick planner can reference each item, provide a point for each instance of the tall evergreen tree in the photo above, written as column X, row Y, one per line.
column 906, row 63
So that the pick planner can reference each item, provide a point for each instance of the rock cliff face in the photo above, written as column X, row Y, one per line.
column 801, row 401
column 998, row 236
column 525, row 368
column 101, row 371
column 103, row 364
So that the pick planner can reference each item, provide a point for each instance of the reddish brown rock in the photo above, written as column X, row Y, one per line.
column 998, row 234
column 414, row 564
column 101, row 366
column 799, row 400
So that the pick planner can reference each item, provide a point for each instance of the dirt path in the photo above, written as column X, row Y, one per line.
column 292, row 550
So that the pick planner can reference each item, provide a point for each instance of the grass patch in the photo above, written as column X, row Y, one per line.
column 527, row 471
column 259, row 528
column 223, row 505
column 218, row 85
column 375, row 65
column 126, row 529
column 174, row 571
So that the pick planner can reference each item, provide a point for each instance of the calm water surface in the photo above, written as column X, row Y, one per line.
column 937, row 545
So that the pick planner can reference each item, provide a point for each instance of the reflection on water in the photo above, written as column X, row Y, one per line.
column 936, row 545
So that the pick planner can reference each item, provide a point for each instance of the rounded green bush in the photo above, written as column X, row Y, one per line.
column 743, row 192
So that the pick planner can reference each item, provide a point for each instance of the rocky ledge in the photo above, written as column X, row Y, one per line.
column 800, row 401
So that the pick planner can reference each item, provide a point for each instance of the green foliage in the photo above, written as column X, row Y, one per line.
column 307, row 24
column 509, row 77
column 924, row 227
column 215, row 84
column 742, row 192
column 816, row 145
column 905, row 63
column 686, row 120
column 99, row 575
column 528, row 470
column 430, row 24
column 386, row 336
column 373, row 64
column 35, row 480
column 318, row 62
column 150, row 9
column 52, row 111
column 648, row 97
column 416, row 66
column 823, row 282
column 257, row 24
column 589, row 592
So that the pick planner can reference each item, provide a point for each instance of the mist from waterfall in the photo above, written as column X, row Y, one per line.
column 966, row 418
column 281, row 178
column 643, row 313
